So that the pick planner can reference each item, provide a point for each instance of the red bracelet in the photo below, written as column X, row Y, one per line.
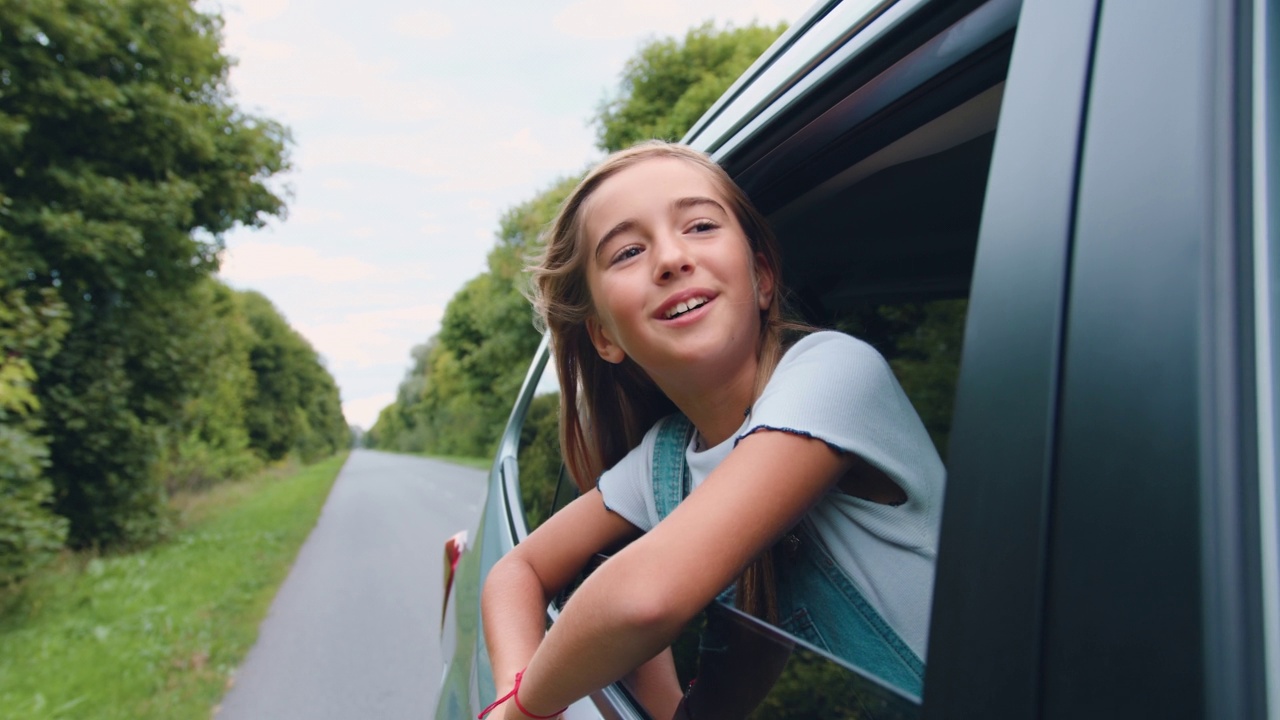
column 512, row 696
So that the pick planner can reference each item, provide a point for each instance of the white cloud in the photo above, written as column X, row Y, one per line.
column 618, row 19
column 257, row 11
column 375, row 337
column 364, row 411
column 238, row 14
column 424, row 24
column 523, row 143
column 323, row 77
column 311, row 215
column 253, row 262
column 506, row 159
column 413, row 152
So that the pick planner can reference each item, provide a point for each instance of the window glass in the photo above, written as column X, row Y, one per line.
column 921, row 341
column 538, row 456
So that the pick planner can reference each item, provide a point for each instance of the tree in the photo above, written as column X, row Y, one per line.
column 208, row 441
column 669, row 84
column 125, row 162
column 296, row 405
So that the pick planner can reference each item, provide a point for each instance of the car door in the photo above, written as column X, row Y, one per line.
column 1102, row 549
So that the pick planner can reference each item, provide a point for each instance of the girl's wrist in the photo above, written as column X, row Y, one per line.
column 514, row 713
column 512, row 708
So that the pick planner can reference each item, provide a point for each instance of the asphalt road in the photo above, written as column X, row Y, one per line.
column 354, row 630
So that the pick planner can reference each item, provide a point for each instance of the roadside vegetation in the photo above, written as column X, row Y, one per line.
column 158, row 633
column 127, row 371
column 153, row 421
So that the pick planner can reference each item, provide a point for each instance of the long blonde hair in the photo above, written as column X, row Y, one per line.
column 605, row 409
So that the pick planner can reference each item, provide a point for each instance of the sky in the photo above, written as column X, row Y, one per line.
column 415, row 125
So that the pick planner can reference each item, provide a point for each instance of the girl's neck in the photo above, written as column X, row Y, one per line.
column 715, row 406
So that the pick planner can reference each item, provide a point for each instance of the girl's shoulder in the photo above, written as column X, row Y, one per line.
column 840, row 389
column 627, row 487
column 832, row 351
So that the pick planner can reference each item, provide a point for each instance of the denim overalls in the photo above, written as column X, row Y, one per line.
column 817, row 601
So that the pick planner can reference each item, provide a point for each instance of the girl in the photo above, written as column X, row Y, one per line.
column 660, row 288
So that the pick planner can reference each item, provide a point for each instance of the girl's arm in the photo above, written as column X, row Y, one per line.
column 519, row 586
column 635, row 604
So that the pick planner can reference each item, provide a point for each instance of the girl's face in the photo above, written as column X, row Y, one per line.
column 671, row 274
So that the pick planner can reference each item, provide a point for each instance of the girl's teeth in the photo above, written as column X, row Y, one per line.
column 685, row 307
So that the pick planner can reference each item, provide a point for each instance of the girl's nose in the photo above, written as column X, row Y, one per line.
column 671, row 258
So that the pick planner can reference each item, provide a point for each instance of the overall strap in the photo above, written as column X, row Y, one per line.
column 670, row 472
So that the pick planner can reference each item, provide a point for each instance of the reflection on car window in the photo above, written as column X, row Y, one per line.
column 539, row 453
column 921, row 341
column 763, row 674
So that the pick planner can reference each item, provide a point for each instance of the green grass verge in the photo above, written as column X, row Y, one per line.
column 158, row 633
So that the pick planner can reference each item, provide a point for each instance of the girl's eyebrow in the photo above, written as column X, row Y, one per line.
column 621, row 227
column 678, row 204
column 688, row 202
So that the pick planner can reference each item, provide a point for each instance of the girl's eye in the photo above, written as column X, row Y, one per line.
column 703, row 226
column 625, row 253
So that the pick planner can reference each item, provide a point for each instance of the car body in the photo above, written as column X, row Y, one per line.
column 1056, row 218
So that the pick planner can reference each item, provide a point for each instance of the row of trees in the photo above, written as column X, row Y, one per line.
column 124, row 366
column 456, row 396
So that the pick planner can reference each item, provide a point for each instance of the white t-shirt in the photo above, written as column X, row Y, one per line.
column 840, row 390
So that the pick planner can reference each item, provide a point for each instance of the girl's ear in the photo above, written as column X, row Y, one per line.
column 764, row 282
column 609, row 351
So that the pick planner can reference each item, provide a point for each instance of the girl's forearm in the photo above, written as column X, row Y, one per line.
column 608, row 629
column 513, row 606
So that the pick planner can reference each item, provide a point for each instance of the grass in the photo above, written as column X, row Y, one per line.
column 158, row 633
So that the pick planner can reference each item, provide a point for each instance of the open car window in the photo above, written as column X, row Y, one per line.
column 874, row 181
column 875, row 189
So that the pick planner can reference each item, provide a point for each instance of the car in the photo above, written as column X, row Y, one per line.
column 1057, row 221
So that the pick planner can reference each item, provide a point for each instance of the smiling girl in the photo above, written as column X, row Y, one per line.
column 714, row 452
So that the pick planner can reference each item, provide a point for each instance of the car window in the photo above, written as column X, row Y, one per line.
column 538, row 455
column 765, row 674
column 879, row 230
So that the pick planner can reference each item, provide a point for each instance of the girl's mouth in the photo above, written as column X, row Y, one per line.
column 683, row 307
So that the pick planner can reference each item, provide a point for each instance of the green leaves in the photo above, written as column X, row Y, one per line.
column 670, row 83
column 296, row 405
column 122, row 161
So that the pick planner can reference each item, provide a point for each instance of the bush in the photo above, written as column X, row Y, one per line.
column 30, row 534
